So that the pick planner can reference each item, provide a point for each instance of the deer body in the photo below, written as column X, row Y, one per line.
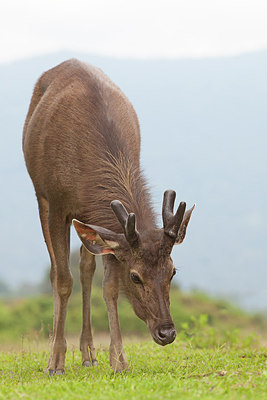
column 81, row 143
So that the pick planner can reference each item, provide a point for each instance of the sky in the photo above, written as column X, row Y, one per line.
column 137, row 29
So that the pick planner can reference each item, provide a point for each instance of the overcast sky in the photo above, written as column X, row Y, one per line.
column 132, row 28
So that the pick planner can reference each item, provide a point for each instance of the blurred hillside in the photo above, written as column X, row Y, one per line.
column 203, row 125
column 194, row 314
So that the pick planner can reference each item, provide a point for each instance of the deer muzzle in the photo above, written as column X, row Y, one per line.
column 164, row 335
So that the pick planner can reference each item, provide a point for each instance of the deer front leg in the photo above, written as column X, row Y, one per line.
column 117, row 356
column 59, row 233
column 87, row 269
column 44, row 212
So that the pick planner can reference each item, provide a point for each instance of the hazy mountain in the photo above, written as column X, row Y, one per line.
column 203, row 125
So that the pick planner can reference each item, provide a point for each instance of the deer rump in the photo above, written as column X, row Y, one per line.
column 81, row 143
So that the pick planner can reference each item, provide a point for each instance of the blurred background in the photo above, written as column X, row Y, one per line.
column 195, row 71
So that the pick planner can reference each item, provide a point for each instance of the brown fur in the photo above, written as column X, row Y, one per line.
column 86, row 105
column 81, row 142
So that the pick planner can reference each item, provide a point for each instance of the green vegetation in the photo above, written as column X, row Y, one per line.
column 181, row 370
column 32, row 316
column 216, row 352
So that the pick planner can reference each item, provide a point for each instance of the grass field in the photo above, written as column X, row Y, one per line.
column 215, row 355
column 234, row 370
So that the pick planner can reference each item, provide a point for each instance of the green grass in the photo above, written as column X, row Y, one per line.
column 215, row 355
column 181, row 370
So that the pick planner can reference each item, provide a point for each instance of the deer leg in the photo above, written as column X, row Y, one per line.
column 87, row 269
column 59, row 234
column 117, row 356
column 43, row 212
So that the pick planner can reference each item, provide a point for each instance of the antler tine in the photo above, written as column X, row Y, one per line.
column 178, row 217
column 126, row 220
column 120, row 212
column 171, row 223
column 131, row 232
column 167, row 207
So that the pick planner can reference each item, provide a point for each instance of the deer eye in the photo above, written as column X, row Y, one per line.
column 135, row 278
column 173, row 273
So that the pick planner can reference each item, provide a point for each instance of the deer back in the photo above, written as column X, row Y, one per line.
column 81, row 141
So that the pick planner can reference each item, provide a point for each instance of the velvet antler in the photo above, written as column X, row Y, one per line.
column 127, row 222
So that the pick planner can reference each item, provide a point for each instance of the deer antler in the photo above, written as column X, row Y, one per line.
column 171, row 222
column 127, row 222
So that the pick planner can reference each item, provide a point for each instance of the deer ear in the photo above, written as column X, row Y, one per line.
column 96, row 239
column 182, row 230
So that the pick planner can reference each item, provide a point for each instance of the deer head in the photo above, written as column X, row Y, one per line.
column 146, row 265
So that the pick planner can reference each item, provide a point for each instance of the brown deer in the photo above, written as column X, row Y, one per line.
column 81, row 144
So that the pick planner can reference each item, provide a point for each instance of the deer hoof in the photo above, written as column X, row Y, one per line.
column 53, row 372
column 86, row 364
column 89, row 364
column 59, row 372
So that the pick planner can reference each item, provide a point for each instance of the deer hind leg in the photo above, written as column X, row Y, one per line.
column 61, row 278
column 87, row 269
column 118, row 359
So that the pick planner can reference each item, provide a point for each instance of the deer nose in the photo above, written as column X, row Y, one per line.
column 166, row 335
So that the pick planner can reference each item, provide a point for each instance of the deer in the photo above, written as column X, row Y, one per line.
column 81, row 144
